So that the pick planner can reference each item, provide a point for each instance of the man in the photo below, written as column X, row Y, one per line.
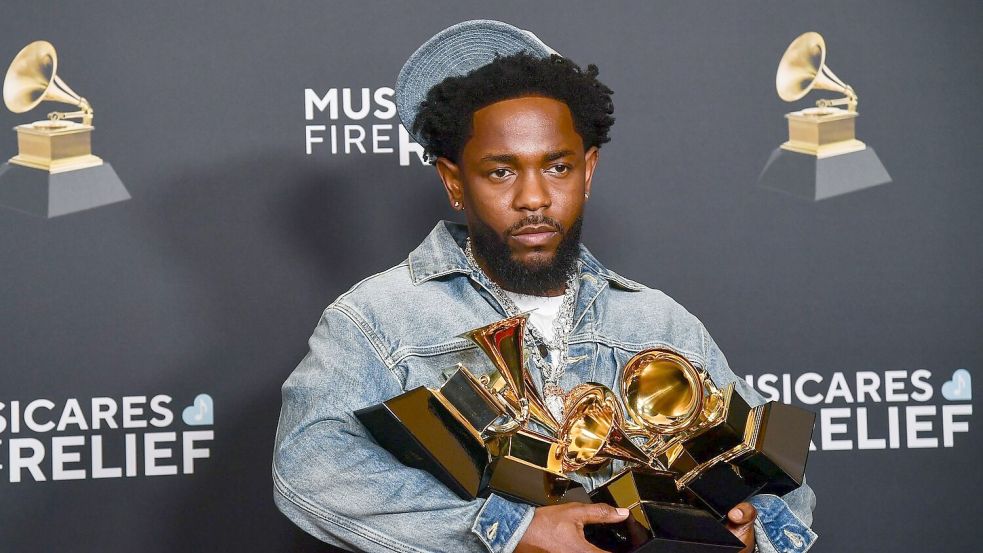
column 514, row 132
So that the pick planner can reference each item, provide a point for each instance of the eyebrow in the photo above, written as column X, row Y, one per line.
column 510, row 158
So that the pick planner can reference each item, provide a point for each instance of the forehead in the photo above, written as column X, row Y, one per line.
column 527, row 125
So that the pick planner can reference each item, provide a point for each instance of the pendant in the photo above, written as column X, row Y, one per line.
column 554, row 400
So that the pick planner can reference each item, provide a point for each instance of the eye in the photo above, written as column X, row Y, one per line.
column 500, row 174
column 560, row 169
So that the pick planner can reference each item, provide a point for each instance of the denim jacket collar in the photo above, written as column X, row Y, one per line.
column 441, row 253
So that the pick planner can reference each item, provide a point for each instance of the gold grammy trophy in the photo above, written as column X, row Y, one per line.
column 822, row 156
column 475, row 433
column 54, row 171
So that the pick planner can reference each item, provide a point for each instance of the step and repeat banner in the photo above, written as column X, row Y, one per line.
column 222, row 171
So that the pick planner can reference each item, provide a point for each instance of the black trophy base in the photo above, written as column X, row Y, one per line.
column 813, row 178
column 633, row 485
column 518, row 472
column 722, row 486
column 45, row 194
column 422, row 433
column 664, row 528
column 781, row 448
column 726, row 434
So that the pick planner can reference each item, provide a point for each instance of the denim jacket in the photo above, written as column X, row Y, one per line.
column 400, row 329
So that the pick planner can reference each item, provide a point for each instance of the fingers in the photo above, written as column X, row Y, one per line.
column 600, row 513
column 742, row 514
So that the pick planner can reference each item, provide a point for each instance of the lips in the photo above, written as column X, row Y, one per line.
column 535, row 235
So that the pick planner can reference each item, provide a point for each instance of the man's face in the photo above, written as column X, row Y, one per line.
column 522, row 180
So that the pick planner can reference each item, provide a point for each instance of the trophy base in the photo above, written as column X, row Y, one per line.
column 664, row 528
column 815, row 178
column 39, row 192
column 421, row 432
column 781, row 448
column 525, row 469
column 722, row 486
column 660, row 520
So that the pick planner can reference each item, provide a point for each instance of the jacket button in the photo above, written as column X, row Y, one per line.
column 492, row 532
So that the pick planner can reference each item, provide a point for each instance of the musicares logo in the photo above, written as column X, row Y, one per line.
column 102, row 437
column 855, row 417
column 348, row 130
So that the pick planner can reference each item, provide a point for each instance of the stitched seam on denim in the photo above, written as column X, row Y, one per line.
column 627, row 284
column 367, row 333
column 431, row 276
column 593, row 343
column 370, row 277
column 587, row 307
column 430, row 351
column 331, row 517
column 693, row 356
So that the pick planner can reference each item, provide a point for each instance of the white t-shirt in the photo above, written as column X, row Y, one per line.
column 545, row 310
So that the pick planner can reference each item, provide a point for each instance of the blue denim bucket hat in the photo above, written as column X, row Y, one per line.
column 457, row 50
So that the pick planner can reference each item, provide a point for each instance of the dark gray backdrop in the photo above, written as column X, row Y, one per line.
column 212, row 277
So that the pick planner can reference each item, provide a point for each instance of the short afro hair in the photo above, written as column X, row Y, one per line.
column 444, row 120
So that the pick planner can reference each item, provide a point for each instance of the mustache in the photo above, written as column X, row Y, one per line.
column 536, row 220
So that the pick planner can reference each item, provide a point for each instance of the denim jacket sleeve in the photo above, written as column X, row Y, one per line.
column 783, row 523
column 333, row 481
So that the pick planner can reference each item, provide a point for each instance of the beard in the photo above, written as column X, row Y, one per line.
column 535, row 279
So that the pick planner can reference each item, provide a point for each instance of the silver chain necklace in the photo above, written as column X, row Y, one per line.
column 562, row 326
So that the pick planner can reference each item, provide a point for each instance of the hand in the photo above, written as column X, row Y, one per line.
column 740, row 522
column 561, row 527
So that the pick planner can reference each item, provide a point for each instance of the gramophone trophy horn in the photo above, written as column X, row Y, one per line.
column 502, row 342
column 667, row 399
column 593, row 431
column 803, row 68
column 33, row 78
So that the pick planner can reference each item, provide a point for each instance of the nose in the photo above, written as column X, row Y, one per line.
column 532, row 192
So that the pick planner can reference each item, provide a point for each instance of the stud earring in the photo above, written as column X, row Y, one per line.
column 457, row 205
column 586, row 195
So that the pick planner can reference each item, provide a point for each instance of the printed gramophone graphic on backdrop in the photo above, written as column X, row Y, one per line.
column 822, row 157
column 690, row 450
column 54, row 172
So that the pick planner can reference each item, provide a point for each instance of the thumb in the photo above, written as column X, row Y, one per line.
column 600, row 513
column 743, row 513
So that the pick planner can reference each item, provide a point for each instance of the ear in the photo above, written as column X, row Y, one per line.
column 450, row 175
column 590, row 159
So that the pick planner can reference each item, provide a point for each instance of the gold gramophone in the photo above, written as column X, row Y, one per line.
column 668, row 400
column 474, row 433
column 824, row 130
column 593, row 431
column 56, row 144
column 822, row 157
column 502, row 342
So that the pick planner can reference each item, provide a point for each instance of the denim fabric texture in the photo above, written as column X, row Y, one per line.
column 400, row 329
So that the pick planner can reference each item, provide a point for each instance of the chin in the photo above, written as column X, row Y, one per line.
column 535, row 260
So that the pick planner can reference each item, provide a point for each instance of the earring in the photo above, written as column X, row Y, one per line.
column 586, row 195
column 457, row 205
